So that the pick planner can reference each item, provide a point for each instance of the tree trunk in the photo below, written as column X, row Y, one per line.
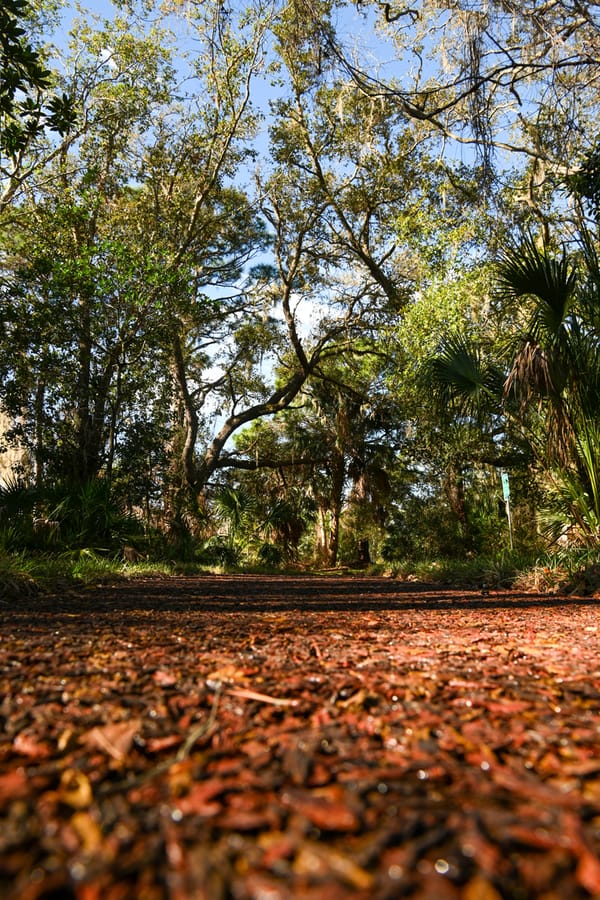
column 38, row 449
column 330, row 511
column 454, row 488
column 323, row 534
column 191, row 422
column 364, row 555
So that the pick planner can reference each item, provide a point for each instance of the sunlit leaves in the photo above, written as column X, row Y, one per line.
column 27, row 105
column 463, row 378
column 528, row 271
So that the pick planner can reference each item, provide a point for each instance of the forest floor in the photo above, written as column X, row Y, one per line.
column 318, row 738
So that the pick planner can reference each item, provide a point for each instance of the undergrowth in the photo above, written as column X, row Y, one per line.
column 572, row 571
column 495, row 571
column 25, row 575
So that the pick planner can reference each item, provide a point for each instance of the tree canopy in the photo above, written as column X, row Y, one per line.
column 300, row 278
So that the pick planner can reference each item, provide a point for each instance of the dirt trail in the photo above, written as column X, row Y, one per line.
column 310, row 737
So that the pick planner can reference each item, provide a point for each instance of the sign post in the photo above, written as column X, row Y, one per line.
column 506, row 493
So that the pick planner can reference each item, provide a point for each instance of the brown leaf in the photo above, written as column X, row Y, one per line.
column 588, row 867
column 13, row 786
column 156, row 744
column 319, row 860
column 276, row 845
column 245, row 820
column 507, row 707
column 258, row 886
column 201, row 798
column 355, row 700
column 29, row 745
column 324, row 808
column 417, row 737
column 297, row 762
column 226, row 674
column 165, row 678
column 588, row 871
column 87, row 830
column 534, row 790
column 114, row 739
column 479, row 888
column 539, row 838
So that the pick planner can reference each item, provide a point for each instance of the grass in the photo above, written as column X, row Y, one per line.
column 572, row 570
column 497, row 571
column 26, row 575
column 565, row 571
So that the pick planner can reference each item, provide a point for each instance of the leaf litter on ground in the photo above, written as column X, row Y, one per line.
column 258, row 738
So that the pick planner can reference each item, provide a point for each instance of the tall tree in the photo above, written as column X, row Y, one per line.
column 124, row 249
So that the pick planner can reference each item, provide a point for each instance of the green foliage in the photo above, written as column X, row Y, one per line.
column 462, row 379
column 27, row 105
column 283, row 526
column 18, row 501
column 256, row 527
column 554, row 375
column 63, row 516
column 527, row 270
column 585, row 181
column 89, row 517
column 572, row 504
column 138, row 337
column 270, row 555
column 427, row 529
column 16, row 577
column 219, row 551
column 494, row 571
column 235, row 507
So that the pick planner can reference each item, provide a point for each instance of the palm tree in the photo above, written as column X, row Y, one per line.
column 555, row 376
column 466, row 388
column 551, row 393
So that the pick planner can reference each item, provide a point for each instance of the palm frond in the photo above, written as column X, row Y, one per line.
column 459, row 378
column 17, row 498
column 534, row 374
column 585, row 388
column 235, row 507
column 528, row 271
column 568, row 507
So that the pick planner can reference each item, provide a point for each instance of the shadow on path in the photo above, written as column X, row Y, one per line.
column 274, row 593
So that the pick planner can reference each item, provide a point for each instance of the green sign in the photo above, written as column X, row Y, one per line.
column 505, row 485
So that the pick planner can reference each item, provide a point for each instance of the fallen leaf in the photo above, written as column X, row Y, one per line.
column 588, row 871
column 201, row 798
column 479, row 888
column 157, row 744
column 416, row 752
column 88, row 831
column 29, row 745
column 259, row 886
column 319, row 860
column 13, row 786
column 323, row 808
column 115, row 739
column 588, row 866
column 227, row 674
column 164, row 678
